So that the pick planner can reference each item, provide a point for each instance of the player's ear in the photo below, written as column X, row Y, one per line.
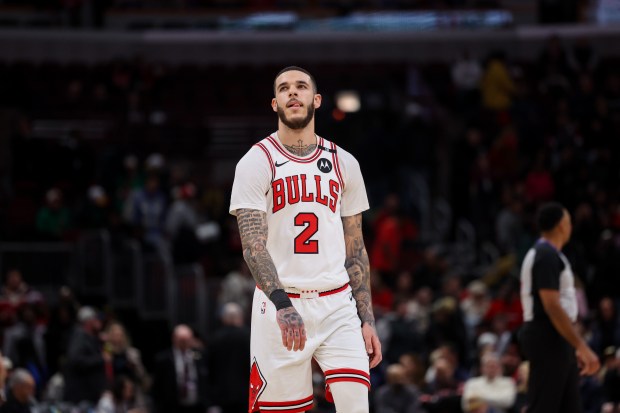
column 274, row 104
column 317, row 100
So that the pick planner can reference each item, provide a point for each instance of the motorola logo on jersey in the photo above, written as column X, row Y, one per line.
column 301, row 188
column 324, row 165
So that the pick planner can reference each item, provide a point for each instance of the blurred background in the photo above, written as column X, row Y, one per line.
column 121, row 122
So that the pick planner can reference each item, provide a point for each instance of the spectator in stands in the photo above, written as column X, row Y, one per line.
column 124, row 360
column 605, row 329
column 397, row 395
column 95, row 212
column 553, row 68
column 497, row 86
column 382, row 296
column 419, row 309
column 475, row 305
column 399, row 333
column 511, row 358
column 85, row 365
column 447, row 327
column 414, row 369
column 507, row 304
column 509, row 224
column 121, row 399
column 59, row 329
column 466, row 74
column 182, row 220
column 20, row 393
column 464, row 154
column 404, row 286
column 443, row 391
column 431, row 270
column 180, row 376
column 231, row 375
column 539, row 184
column 24, row 343
column 495, row 390
column 385, row 252
column 15, row 289
column 523, row 373
column 129, row 181
column 611, row 381
column 54, row 218
column 149, row 211
column 238, row 287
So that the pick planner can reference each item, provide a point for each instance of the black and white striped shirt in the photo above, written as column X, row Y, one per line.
column 544, row 267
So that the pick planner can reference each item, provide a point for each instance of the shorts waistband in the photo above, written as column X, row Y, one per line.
column 298, row 293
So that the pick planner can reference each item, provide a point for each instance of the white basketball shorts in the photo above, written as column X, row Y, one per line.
column 281, row 380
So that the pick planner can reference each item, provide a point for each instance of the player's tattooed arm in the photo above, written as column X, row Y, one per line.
column 358, row 267
column 253, row 230
column 300, row 149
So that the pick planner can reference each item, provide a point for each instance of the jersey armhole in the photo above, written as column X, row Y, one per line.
column 269, row 159
column 336, row 160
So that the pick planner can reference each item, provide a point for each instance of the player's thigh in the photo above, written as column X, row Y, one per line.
column 341, row 353
column 279, row 378
column 350, row 397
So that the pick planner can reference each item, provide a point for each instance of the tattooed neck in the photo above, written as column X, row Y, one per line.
column 300, row 149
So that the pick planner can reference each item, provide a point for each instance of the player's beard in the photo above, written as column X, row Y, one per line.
column 299, row 123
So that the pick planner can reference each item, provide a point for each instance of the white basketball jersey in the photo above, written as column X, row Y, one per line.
column 304, row 198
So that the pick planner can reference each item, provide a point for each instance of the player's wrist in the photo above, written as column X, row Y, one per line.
column 280, row 299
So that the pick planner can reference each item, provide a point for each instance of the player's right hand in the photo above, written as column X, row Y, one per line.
column 292, row 328
column 588, row 361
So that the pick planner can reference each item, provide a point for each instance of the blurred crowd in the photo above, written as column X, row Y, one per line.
column 492, row 138
column 74, row 358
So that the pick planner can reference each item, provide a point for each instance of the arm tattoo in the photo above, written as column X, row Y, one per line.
column 358, row 267
column 300, row 149
column 253, row 231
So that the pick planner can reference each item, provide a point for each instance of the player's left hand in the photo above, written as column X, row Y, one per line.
column 372, row 343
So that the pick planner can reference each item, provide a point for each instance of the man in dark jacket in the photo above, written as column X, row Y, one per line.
column 229, row 355
column 180, row 379
column 85, row 371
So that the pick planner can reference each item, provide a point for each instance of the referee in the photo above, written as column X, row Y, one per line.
column 549, row 340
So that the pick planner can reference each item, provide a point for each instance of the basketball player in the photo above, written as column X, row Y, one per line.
column 549, row 340
column 298, row 199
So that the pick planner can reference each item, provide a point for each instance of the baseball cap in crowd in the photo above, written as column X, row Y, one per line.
column 86, row 313
column 487, row 339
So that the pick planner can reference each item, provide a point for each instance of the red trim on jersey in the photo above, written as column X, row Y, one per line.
column 337, row 166
column 312, row 158
column 294, row 406
column 273, row 168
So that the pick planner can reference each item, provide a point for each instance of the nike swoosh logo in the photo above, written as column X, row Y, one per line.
column 280, row 164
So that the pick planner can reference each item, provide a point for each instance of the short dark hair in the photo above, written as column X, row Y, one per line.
column 549, row 215
column 299, row 69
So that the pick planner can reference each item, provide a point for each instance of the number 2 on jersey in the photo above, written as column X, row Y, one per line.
column 303, row 243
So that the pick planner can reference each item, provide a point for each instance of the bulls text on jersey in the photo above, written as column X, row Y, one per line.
column 300, row 188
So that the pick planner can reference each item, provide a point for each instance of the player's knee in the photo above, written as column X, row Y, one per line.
column 350, row 397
